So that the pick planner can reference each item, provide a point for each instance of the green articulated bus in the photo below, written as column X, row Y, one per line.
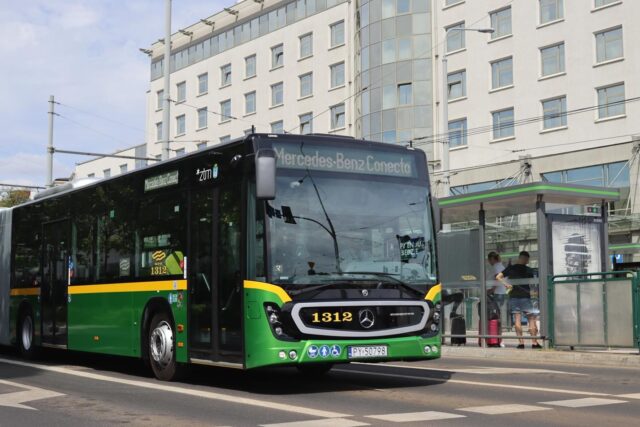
column 284, row 250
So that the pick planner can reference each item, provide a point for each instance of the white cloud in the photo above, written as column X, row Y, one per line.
column 85, row 52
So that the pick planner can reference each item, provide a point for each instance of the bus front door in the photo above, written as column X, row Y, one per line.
column 55, row 271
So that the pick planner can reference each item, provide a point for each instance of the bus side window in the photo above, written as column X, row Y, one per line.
column 160, row 237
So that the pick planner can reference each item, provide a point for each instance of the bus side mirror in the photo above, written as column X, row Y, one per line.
column 266, row 174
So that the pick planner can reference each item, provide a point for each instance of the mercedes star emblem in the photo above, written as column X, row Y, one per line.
column 365, row 293
column 366, row 318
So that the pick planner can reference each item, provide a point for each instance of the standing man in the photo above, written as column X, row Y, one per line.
column 520, row 296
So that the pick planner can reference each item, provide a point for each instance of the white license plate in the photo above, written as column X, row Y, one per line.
column 369, row 351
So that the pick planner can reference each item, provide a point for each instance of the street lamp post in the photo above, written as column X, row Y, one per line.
column 166, row 102
column 445, row 106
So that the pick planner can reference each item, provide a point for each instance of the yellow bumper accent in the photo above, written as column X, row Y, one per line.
column 284, row 297
column 431, row 295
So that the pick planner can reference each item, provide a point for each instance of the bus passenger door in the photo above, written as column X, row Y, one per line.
column 55, row 270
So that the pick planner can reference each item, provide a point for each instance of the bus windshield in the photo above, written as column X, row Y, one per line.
column 325, row 228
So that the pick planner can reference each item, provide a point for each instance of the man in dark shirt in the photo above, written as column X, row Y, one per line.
column 520, row 297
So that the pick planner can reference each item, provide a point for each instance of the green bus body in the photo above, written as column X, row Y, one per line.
column 93, row 265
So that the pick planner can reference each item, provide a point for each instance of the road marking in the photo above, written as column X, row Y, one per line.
column 334, row 422
column 583, row 403
column 185, row 391
column 503, row 409
column 629, row 396
column 475, row 383
column 16, row 399
column 479, row 370
column 416, row 416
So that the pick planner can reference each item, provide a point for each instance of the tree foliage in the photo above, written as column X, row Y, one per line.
column 13, row 197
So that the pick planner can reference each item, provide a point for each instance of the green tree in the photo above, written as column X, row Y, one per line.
column 13, row 198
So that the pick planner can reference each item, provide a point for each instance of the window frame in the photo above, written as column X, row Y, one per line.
column 332, row 67
column 247, row 97
column 224, row 74
column 206, row 117
column 181, row 120
column 608, row 43
column 246, row 64
column 606, row 106
column 181, row 87
column 496, row 78
column 206, row 83
column 561, row 59
column 562, row 115
column 277, row 56
column 448, row 35
column 223, row 116
column 273, row 86
column 309, row 122
column 335, row 119
column 337, row 24
column 502, row 127
column 300, row 80
column 300, row 45
column 559, row 12
column 496, row 34
column 462, row 82
column 462, row 130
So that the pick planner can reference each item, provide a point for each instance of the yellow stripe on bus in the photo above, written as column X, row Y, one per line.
column 24, row 291
column 284, row 297
column 165, row 285
column 433, row 292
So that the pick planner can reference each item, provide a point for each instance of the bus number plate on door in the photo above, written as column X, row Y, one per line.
column 369, row 351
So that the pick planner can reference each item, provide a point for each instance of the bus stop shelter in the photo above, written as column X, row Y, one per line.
column 546, row 202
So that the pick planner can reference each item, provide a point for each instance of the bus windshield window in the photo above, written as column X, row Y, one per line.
column 323, row 228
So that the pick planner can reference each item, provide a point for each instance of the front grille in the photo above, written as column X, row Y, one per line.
column 357, row 319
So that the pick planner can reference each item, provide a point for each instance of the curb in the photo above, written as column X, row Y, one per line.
column 630, row 360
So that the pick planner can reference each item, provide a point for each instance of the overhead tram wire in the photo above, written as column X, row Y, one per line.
column 128, row 144
column 100, row 117
column 230, row 117
column 439, row 138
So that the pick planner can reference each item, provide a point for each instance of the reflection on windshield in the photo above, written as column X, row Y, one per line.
column 324, row 228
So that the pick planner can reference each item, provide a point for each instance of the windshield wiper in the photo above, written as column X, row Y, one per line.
column 385, row 275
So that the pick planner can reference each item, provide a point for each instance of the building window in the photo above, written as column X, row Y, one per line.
column 107, row 173
column 203, row 83
column 277, row 94
column 180, row 152
column 181, row 125
column 306, row 123
column 502, row 73
column 403, row 6
column 306, row 85
column 551, row 10
column 91, row 175
column 250, row 102
column 600, row 3
column 455, row 37
column 225, row 110
column 225, row 75
column 337, row 75
column 605, row 175
column 182, row 92
column 457, row 133
column 405, row 94
column 554, row 112
column 450, row 2
column 277, row 127
column 475, row 188
column 203, row 117
column 277, row 56
column 611, row 101
column 501, row 22
column 306, row 45
column 225, row 139
column 503, row 123
column 249, row 66
column 201, row 146
column 337, row 34
column 159, row 99
column 457, row 84
column 123, row 168
column 159, row 131
column 337, row 116
column 609, row 45
column 552, row 59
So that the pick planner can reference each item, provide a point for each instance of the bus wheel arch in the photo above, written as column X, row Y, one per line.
column 159, row 340
column 26, row 331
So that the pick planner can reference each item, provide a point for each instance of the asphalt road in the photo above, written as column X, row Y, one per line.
column 75, row 389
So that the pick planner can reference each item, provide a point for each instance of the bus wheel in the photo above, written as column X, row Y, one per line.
column 25, row 335
column 162, row 353
column 315, row 370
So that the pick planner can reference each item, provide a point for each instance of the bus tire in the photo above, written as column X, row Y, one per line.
column 315, row 370
column 25, row 334
column 162, row 348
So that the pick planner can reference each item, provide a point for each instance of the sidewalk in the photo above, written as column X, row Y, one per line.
column 622, row 358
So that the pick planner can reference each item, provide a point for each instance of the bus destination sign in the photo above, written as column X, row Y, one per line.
column 343, row 159
column 160, row 181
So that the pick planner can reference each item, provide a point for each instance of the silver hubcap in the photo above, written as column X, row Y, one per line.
column 27, row 332
column 161, row 344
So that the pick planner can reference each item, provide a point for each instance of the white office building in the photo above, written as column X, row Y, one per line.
column 556, row 82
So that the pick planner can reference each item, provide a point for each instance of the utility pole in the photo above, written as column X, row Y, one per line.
column 166, row 104
column 50, row 149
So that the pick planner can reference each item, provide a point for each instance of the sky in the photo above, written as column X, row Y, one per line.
column 85, row 53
